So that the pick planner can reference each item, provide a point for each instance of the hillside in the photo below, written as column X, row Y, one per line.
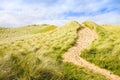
column 7, row 34
column 105, row 51
column 36, row 52
column 40, row 57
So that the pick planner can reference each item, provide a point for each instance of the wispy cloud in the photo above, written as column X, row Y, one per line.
column 23, row 12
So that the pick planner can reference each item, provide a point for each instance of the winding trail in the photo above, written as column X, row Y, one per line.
column 85, row 37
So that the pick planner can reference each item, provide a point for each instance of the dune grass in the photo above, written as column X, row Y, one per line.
column 39, row 57
column 22, row 31
column 105, row 51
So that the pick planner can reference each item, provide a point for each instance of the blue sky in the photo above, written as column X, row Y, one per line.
column 15, row 13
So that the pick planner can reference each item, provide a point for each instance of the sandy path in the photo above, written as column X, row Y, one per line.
column 85, row 37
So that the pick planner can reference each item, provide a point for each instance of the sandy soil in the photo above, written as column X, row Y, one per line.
column 85, row 37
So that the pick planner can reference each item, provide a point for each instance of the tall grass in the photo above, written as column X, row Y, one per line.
column 105, row 51
column 39, row 57
column 22, row 31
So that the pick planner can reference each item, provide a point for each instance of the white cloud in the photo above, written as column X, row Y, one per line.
column 106, row 18
column 109, row 18
column 18, row 13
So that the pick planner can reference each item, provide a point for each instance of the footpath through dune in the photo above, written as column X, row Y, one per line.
column 85, row 37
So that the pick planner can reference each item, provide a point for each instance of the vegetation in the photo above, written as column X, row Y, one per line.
column 39, row 56
column 105, row 51
column 22, row 31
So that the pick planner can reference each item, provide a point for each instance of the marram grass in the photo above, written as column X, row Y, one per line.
column 39, row 57
column 105, row 51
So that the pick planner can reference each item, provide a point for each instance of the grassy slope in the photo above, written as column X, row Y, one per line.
column 105, row 51
column 39, row 57
column 6, row 33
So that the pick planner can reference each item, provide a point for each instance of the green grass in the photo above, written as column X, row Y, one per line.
column 105, row 51
column 39, row 57
column 22, row 31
